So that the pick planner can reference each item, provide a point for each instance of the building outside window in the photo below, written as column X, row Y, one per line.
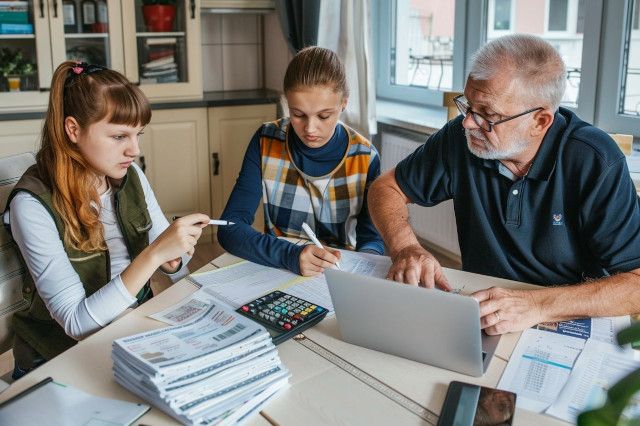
column 424, row 48
column 560, row 22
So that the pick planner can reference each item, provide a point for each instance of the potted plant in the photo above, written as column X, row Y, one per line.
column 620, row 394
column 13, row 67
column 159, row 14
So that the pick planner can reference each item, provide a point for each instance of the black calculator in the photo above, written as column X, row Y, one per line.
column 284, row 315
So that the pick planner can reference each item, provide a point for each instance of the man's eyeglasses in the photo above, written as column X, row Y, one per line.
column 487, row 125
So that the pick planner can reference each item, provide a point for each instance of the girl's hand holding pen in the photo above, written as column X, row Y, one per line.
column 314, row 260
column 179, row 238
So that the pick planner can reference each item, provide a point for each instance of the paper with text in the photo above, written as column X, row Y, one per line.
column 598, row 367
column 544, row 356
column 539, row 368
column 245, row 281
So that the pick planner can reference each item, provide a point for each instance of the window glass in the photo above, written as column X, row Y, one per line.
column 631, row 81
column 558, row 15
column 560, row 22
column 422, row 44
column 502, row 15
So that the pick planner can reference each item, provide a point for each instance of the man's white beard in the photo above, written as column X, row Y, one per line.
column 516, row 147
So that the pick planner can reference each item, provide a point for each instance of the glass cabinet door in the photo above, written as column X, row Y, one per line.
column 22, row 54
column 37, row 35
column 162, row 43
column 86, row 31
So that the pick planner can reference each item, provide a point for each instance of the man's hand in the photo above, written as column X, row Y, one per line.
column 505, row 310
column 416, row 266
column 314, row 260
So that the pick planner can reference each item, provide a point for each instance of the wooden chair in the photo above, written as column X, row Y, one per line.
column 12, row 269
column 625, row 142
column 447, row 101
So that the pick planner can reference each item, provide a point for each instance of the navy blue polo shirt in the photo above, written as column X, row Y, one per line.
column 574, row 216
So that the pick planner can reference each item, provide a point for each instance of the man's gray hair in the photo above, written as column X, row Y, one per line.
column 534, row 63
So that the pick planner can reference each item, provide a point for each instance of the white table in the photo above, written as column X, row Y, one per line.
column 320, row 393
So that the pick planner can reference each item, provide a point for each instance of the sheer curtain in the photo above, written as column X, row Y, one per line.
column 345, row 28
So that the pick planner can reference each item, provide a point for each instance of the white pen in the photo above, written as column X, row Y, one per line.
column 220, row 222
column 307, row 230
column 212, row 221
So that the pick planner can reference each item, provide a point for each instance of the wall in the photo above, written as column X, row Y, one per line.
column 277, row 53
column 232, row 51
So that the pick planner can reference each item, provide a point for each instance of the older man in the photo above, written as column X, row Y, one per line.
column 540, row 196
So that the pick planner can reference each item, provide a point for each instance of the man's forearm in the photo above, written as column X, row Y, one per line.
column 389, row 212
column 610, row 296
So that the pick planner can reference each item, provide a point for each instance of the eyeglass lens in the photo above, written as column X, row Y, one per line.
column 464, row 109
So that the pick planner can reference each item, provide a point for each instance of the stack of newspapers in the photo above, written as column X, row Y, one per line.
column 215, row 370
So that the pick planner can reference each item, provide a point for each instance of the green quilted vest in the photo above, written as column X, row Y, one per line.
column 34, row 324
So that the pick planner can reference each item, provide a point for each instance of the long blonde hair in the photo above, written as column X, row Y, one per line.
column 88, row 97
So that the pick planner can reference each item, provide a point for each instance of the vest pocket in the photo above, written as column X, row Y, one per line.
column 141, row 222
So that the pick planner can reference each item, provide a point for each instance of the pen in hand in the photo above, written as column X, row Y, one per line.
column 312, row 236
column 212, row 221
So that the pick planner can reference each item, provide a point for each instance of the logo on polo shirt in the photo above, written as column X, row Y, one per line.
column 557, row 219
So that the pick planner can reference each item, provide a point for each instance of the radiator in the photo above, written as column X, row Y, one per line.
column 436, row 225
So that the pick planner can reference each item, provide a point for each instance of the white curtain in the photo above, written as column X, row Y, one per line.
column 345, row 28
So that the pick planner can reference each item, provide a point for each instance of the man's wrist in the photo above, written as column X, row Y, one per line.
column 542, row 301
column 396, row 251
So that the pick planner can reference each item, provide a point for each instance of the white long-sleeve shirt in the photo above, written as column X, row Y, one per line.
column 58, row 284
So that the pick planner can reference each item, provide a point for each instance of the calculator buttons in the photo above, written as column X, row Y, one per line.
column 283, row 312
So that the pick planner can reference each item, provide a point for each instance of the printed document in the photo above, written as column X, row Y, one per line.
column 542, row 361
column 188, row 309
column 242, row 282
column 216, row 369
column 539, row 368
column 245, row 281
column 598, row 367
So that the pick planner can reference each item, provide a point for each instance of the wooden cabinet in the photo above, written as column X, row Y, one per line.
column 20, row 136
column 230, row 130
column 47, row 37
column 175, row 158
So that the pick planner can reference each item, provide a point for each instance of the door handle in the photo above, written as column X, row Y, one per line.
column 55, row 8
column 41, row 5
column 192, row 5
column 215, row 164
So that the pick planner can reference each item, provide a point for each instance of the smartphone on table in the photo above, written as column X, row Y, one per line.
column 473, row 405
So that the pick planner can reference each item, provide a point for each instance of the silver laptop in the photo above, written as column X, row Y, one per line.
column 426, row 325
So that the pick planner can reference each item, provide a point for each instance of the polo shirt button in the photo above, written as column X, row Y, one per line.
column 515, row 192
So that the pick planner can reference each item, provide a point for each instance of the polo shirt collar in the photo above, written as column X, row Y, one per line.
column 544, row 161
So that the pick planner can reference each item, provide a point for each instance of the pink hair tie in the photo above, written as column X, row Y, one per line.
column 77, row 69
